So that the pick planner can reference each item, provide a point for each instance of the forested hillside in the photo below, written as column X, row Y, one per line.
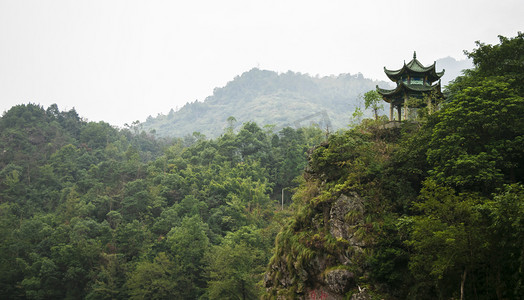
column 428, row 210
column 90, row 211
column 268, row 98
column 432, row 209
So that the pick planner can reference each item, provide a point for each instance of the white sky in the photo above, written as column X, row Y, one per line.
column 120, row 61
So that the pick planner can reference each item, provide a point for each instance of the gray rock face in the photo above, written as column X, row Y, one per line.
column 331, row 273
column 340, row 281
column 361, row 295
column 346, row 212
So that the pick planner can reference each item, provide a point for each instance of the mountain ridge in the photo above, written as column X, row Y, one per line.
column 278, row 99
column 267, row 98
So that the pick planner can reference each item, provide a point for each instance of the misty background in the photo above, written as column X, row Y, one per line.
column 121, row 61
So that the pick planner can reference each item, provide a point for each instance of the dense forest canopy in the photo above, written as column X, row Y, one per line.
column 433, row 209
column 90, row 211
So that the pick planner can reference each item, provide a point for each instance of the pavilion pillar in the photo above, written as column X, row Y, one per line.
column 406, row 110
column 391, row 109
column 399, row 109
column 430, row 106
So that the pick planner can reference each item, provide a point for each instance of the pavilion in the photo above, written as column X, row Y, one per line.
column 414, row 82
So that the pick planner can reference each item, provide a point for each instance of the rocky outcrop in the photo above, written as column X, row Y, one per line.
column 346, row 213
column 327, row 238
column 339, row 281
column 362, row 294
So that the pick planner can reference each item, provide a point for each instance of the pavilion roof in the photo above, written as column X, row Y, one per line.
column 414, row 67
column 402, row 88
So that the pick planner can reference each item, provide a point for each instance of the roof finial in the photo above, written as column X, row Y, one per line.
column 414, row 54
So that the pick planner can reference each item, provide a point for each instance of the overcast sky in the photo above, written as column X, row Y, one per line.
column 120, row 61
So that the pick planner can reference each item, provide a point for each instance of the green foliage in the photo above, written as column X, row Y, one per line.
column 91, row 211
column 506, row 233
column 373, row 100
column 188, row 243
column 470, row 145
column 466, row 240
column 443, row 197
column 503, row 59
column 154, row 280
column 235, row 266
column 446, row 238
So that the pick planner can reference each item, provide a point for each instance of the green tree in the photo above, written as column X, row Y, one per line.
column 110, row 280
column 506, row 239
column 250, row 139
column 503, row 59
column 155, row 280
column 188, row 243
column 291, row 149
column 235, row 266
column 231, row 273
column 478, row 139
column 231, row 121
column 140, row 201
column 447, row 239
column 132, row 239
column 373, row 100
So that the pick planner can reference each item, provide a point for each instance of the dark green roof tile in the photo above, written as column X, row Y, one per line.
column 417, row 88
column 414, row 67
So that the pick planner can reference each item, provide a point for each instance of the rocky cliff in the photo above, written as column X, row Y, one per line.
column 323, row 252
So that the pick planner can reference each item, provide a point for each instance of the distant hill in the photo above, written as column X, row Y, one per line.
column 268, row 98
column 286, row 99
column 453, row 68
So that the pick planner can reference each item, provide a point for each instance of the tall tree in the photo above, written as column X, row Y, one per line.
column 188, row 243
column 373, row 100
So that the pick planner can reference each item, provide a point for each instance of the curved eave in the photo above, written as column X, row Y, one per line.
column 414, row 66
column 394, row 75
column 410, row 88
column 384, row 92
column 439, row 74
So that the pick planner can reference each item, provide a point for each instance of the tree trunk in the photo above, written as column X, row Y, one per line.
column 498, row 290
column 462, row 284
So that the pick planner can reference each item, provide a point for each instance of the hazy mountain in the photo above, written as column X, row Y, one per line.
column 286, row 99
column 269, row 98
column 453, row 68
